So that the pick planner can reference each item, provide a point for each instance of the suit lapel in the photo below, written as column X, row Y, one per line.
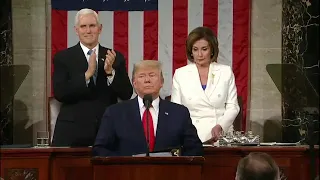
column 213, row 79
column 102, row 53
column 81, row 58
column 196, row 83
column 163, row 123
column 101, row 60
column 136, row 122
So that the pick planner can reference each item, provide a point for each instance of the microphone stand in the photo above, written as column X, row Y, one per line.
column 147, row 100
column 148, row 132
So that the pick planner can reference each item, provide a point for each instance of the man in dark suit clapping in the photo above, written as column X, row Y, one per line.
column 87, row 78
column 124, row 131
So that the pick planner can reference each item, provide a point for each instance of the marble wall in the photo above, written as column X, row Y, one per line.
column 300, row 34
column 283, row 31
column 265, row 99
column 29, row 49
column 6, row 124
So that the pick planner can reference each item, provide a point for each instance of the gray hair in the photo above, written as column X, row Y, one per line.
column 257, row 166
column 85, row 12
column 147, row 64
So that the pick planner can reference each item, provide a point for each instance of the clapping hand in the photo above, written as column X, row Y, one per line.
column 110, row 57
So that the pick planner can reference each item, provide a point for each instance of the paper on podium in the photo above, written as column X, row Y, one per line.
column 168, row 152
column 278, row 144
column 207, row 145
column 156, row 154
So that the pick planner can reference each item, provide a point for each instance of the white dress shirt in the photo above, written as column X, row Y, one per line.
column 154, row 111
column 85, row 51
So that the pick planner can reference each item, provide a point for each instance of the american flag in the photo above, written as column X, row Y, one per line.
column 158, row 29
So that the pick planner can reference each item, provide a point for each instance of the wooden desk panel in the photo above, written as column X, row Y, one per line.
column 150, row 172
column 151, row 168
column 71, row 168
column 293, row 162
column 42, row 163
column 71, row 163
column 24, row 164
column 222, row 167
column 33, row 168
column 74, row 163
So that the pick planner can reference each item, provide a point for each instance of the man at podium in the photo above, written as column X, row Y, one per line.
column 146, row 123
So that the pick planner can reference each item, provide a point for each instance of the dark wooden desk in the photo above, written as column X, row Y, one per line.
column 43, row 163
column 74, row 163
column 151, row 168
column 221, row 163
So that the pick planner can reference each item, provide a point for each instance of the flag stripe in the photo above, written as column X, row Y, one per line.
column 195, row 14
column 210, row 14
column 225, row 30
column 59, row 34
column 165, row 41
column 180, row 33
column 135, row 39
column 72, row 36
column 106, row 36
column 150, row 35
column 120, row 41
column 158, row 29
column 241, row 45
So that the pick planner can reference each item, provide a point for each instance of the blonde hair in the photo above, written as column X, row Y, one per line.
column 150, row 64
column 85, row 12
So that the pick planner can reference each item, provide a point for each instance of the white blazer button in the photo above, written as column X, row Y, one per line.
column 197, row 121
column 219, row 95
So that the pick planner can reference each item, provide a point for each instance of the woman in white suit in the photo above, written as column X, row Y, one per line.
column 206, row 87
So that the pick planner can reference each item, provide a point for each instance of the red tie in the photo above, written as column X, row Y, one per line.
column 151, row 129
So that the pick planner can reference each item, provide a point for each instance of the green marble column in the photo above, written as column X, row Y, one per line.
column 300, row 46
column 6, row 83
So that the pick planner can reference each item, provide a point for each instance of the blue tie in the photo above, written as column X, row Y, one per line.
column 96, row 72
column 90, row 52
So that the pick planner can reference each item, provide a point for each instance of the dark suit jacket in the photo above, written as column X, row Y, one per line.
column 121, row 131
column 82, row 105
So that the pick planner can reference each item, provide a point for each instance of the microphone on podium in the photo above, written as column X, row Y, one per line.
column 147, row 101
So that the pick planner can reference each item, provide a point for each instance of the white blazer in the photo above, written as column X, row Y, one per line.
column 217, row 104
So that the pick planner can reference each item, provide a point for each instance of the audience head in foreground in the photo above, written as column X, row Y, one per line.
column 123, row 130
column 257, row 166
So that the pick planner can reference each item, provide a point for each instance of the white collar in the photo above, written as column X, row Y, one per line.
column 155, row 103
column 85, row 49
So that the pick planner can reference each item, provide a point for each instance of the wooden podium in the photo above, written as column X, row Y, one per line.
column 75, row 163
column 151, row 168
